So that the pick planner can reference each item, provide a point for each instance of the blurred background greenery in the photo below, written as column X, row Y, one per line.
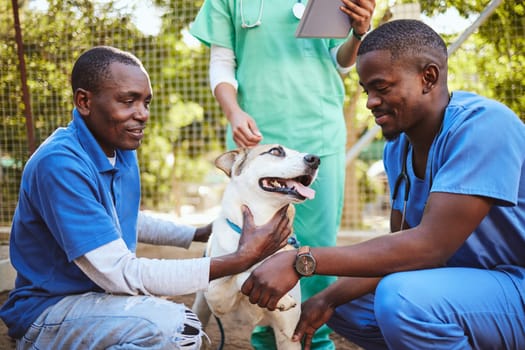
column 186, row 129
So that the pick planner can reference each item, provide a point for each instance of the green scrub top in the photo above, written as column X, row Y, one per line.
column 289, row 85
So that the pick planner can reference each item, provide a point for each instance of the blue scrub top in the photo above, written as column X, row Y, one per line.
column 480, row 151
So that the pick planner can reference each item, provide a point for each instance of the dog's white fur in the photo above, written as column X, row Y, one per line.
column 246, row 167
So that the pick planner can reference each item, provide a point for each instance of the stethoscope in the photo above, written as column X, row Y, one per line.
column 297, row 10
column 403, row 177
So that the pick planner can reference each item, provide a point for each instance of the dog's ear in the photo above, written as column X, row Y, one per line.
column 226, row 160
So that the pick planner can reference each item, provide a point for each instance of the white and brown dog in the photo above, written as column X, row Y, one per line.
column 265, row 178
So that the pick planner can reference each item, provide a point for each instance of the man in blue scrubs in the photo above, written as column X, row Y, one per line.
column 452, row 273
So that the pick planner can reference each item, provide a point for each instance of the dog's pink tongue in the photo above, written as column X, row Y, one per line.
column 303, row 190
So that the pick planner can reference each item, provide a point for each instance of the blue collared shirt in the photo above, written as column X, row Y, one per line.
column 71, row 201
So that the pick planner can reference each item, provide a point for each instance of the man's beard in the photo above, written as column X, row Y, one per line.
column 391, row 136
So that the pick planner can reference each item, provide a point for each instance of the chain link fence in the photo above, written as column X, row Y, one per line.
column 40, row 40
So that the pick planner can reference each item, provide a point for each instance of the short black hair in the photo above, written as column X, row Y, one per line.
column 404, row 37
column 92, row 67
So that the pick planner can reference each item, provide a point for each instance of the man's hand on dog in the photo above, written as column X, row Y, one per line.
column 315, row 312
column 256, row 243
column 259, row 242
column 270, row 281
column 202, row 234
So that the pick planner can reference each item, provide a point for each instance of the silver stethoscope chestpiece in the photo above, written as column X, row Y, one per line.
column 298, row 9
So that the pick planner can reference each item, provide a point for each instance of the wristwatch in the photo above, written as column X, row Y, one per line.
column 305, row 262
column 360, row 36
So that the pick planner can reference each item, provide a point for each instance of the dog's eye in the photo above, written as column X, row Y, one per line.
column 277, row 151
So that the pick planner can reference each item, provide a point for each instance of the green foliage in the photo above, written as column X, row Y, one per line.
column 490, row 62
column 55, row 38
column 186, row 128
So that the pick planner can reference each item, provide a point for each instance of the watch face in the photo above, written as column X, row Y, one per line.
column 305, row 265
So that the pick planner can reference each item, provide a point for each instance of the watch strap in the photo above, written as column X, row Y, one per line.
column 303, row 250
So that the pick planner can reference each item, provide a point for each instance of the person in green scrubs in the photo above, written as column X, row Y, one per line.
column 276, row 88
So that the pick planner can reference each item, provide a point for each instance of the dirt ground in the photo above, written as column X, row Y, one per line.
column 236, row 335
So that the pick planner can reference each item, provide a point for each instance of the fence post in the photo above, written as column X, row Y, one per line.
column 31, row 144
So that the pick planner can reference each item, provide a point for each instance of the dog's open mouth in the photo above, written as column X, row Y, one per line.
column 297, row 187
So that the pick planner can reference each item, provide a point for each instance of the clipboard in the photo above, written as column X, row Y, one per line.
column 323, row 19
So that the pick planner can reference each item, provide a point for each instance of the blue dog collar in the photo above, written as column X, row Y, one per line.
column 234, row 227
column 292, row 240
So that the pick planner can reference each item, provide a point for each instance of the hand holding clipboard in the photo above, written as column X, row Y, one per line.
column 335, row 18
column 323, row 19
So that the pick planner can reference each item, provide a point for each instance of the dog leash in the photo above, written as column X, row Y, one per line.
column 221, row 331
column 292, row 240
column 219, row 325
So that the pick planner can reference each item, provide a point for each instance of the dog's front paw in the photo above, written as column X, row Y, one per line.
column 286, row 303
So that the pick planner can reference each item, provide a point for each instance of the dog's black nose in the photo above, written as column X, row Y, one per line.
column 312, row 160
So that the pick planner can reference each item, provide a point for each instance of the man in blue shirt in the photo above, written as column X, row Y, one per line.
column 451, row 275
column 79, row 283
